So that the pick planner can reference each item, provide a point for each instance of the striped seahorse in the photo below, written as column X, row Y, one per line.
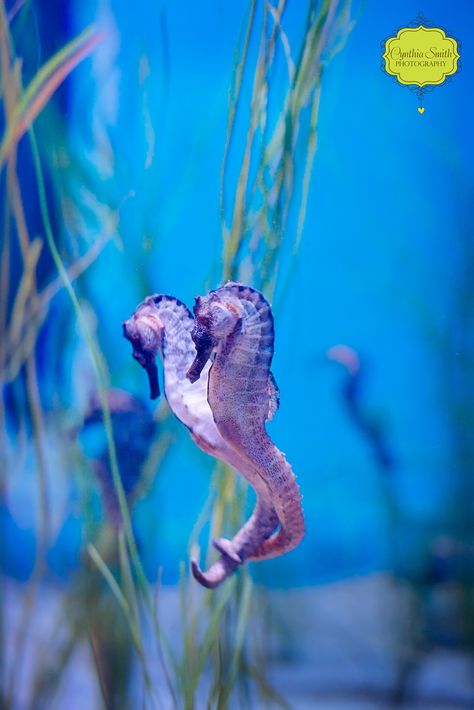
column 162, row 324
column 236, row 323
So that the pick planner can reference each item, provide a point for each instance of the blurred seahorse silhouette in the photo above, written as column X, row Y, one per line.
column 236, row 322
column 134, row 430
column 352, row 390
column 163, row 324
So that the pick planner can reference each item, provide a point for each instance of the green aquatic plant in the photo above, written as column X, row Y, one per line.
column 254, row 229
column 21, row 323
column 31, row 101
column 254, row 225
column 217, row 663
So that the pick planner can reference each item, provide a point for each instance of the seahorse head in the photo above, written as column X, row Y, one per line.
column 215, row 317
column 144, row 330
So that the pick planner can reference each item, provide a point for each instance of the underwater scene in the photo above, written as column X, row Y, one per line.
column 236, row 356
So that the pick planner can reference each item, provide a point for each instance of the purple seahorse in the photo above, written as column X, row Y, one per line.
column 236, row 322
column 164, row 324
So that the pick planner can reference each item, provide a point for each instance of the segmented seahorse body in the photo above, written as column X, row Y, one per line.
column 163, row 324
column 236, row 321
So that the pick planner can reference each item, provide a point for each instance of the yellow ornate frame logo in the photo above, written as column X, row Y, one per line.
column 421, row 57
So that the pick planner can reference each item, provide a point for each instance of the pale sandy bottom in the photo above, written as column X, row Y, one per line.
column 339, row 646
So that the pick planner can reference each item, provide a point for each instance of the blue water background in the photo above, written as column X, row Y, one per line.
column 381, row 268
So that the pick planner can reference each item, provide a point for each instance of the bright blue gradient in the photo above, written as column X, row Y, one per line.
column 381, row 268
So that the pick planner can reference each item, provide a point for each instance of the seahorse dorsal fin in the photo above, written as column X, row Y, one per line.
column 273, row 396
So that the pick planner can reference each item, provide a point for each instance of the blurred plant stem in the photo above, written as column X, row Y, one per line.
column 20, row 325
column 254, row 228
column 215, row 644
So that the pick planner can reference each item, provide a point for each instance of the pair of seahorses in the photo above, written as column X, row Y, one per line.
column 225, row 401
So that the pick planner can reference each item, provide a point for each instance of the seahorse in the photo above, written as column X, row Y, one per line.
column 134, row 430
column 163, row 324
column 236, row 323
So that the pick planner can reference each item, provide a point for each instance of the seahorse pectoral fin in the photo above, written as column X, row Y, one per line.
column 273, row 396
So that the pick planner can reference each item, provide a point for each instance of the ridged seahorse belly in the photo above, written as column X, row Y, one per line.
column 164, row 324
column 236, row 322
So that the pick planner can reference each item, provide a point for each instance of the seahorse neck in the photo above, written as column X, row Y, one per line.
column 178, row 349
column 251, row 342
column 177, row 355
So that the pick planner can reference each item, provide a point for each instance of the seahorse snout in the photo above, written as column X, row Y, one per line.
column 144, row 342
column 204, row 346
